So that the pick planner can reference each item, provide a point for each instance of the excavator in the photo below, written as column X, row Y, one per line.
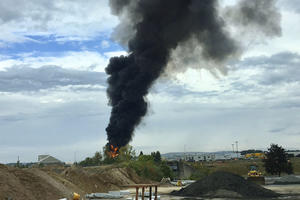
column 254, row 175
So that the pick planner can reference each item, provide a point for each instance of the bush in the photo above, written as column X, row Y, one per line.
column 166, row 170
column 146, row 167
column 200, row 172
column 96, row 160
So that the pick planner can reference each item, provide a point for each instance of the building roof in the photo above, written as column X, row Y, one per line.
column 47, row 159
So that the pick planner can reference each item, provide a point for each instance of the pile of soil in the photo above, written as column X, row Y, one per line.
column 290, row 179
column 51, row 183
column 92, row 180
column 24, row 184
column 225, row 185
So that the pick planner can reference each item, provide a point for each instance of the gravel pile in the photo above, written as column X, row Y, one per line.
column 287, row 180
column 225, row 185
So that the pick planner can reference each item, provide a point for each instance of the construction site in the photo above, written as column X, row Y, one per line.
column 127, row 76
column 118, row 182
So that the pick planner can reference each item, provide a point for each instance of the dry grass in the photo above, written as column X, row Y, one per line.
column 296, row 165
column 240, row 167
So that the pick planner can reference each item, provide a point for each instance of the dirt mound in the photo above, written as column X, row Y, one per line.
column 225, row 184
column 55, row 183
column 101, row 179
column 23, row 184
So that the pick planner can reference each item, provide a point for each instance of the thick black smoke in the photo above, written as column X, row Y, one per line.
column 249, row 22
column 151, row 30
column 159, row 26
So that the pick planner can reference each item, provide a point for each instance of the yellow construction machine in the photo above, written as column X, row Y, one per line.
column 76, row 196
column 254, row 175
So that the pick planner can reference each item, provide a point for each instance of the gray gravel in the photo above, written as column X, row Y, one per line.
column 290, row 179
column 224, row 184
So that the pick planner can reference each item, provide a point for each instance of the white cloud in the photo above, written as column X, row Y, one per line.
column 83, row 60
column 24, row 79
column 67, row 112
column 60, row 128
column 289, row 41
column 105, row 44
column 258, row 81
column 115, row 53
column 212, row 127
column 237, row 107
column 291, row 5
column 73, row 20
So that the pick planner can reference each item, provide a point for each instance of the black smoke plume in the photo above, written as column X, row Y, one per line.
column 151, row 30
column 160, row 26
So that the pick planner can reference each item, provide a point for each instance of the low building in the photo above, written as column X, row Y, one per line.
column 48, row 160
column 255, row 156
column 202, row 156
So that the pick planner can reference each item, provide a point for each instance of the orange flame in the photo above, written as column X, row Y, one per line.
column 113, row 151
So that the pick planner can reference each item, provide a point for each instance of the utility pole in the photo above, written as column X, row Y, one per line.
column 184, row 153
column 18, row 162
column 75, row 160
column 237, row 149
column 232, row 148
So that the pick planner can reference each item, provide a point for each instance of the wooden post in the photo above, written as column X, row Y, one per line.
column 143, row 193
column 150, row 193
column 144, row 187
column 137, row 193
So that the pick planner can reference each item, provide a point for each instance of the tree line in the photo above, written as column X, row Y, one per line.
column 148, row 166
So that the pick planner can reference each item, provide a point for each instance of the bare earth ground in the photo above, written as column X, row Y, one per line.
column 52, row 183
column 285, row 189
column 59, row 182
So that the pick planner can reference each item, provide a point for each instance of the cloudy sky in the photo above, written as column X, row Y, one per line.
column 52, row 87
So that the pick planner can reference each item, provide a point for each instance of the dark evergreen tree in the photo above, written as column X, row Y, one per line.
column 156, row 156
column 276, row 160
column 141, row 153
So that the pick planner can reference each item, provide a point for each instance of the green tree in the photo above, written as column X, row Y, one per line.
column 145, row 158
column 141, row 153
column 276, row 160
column 96, row 160
column 126, row 153
column 166, row 170
column 156, row 156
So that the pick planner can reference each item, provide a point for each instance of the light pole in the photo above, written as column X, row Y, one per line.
column 237, row 149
